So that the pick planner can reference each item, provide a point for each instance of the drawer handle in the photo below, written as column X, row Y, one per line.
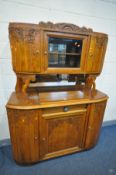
column 66, row 109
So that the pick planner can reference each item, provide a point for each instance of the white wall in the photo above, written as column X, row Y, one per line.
column 97, row 14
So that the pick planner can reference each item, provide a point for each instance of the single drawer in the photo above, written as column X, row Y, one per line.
column 64, row 111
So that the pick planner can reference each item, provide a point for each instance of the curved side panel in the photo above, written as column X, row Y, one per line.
column 24, row 134
column 96, row 113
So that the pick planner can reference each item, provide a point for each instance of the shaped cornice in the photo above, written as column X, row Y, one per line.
column 27, row 32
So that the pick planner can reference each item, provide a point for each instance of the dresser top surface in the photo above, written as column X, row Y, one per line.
column 54, row 99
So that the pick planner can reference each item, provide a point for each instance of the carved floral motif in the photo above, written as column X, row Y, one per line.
column 22, row 34
column 100, row 41
column 30, row 35
column 17, row 33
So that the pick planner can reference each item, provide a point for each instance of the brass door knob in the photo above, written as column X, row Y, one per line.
column 43, row 139
column 37, row 52
column 35, row 137
column 45, row 53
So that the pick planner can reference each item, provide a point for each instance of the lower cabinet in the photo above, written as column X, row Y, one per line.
column 40, row 134
column 24, row 133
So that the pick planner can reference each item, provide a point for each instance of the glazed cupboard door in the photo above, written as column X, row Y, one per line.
column 96, row 54
column 64, row 53
column 25, row 47
column 24, row 132
column 61, row 133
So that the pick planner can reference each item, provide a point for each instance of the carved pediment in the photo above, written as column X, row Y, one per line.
column 65, row 27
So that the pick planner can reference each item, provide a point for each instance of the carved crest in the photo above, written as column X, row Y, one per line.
column 65, row 27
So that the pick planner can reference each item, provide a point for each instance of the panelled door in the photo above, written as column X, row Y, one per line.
column 24, row 131
column 26, row 48
column 61, row 132
column 96, row 54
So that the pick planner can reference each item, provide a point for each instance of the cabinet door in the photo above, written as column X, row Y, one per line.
column 24, row 134
column 96, row 54
column 96, row 113
column 25, row 46
column 64, row 53
column 61, row 133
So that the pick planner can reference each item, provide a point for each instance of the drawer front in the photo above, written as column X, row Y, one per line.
column 64, row 110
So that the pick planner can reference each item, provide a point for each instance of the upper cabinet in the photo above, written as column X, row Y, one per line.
column 25, row 46
column 56, row 48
